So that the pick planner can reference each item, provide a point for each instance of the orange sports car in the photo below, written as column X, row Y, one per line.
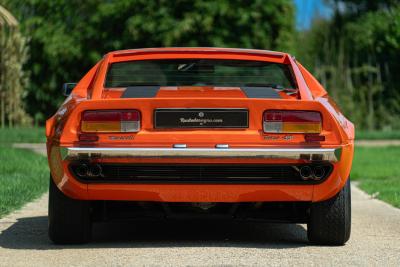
column 199, row 133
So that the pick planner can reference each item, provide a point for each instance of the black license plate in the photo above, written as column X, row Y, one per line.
column 201, row 118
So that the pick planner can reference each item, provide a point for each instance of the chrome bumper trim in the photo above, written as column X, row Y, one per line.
column 313, row 154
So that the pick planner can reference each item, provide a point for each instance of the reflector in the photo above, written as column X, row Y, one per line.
column 314, row 138
column 88, row 137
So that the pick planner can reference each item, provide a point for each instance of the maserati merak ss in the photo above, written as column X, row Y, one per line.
column 199, row 133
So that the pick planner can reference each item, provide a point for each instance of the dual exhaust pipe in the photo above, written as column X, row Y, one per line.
column 91, row 170
column 315, row 173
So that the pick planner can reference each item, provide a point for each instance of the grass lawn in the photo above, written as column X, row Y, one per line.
column 23, row 176
column 378, row 171
column 22, row 135
column 376, row 135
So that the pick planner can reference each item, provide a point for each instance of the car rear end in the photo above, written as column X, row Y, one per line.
column 193, row 132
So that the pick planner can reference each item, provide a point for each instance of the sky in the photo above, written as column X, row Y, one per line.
column 306, row 10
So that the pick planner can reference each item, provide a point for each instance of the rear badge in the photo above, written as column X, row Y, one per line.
column 120, row 138
column 277, row 138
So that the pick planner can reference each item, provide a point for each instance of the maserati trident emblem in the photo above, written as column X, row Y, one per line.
column 201, row 114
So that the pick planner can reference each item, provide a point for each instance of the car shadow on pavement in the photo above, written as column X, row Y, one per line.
column 31, row 233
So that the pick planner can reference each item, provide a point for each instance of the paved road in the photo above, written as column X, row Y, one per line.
column 36, row 147
column 377, row 143
column 375, row 241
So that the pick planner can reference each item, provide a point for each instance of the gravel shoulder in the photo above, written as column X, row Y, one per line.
column 375, row 240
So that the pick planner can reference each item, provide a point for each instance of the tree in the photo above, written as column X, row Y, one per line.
column 68, row 36
column 356, row 56
column 12, row 77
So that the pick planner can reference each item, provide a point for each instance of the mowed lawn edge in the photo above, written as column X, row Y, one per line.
column 377, row 169
column 24, row 176
column 22, row 135
column 378, row 135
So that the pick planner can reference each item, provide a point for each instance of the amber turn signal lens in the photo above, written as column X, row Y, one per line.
column 292, row 121
column 124, row 121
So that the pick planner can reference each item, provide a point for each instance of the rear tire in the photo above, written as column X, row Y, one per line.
column 330, row 220
column 69, row 219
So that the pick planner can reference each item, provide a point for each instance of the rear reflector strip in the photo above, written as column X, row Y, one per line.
column 110, row 121
column 314, row 138
column 88, row 137
column 292, row 121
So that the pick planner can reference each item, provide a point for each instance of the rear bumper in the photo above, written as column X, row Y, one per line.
column 340, row 157
column 313, row 154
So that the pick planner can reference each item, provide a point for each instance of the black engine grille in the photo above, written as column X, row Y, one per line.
column 199, row 173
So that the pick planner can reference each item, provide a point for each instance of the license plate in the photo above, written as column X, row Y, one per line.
column 201, row 118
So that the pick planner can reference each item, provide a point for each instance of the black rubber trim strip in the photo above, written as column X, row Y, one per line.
column 140, row 92
column 260, row 92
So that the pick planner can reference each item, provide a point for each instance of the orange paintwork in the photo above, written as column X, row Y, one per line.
column 63, row 129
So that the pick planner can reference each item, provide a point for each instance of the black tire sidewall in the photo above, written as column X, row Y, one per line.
column 330, row 220
column 69, row 219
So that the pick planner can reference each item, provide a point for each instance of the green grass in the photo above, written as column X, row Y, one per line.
column 24, row 176
column 378, row 171
column 22, row 135
column 376, row 135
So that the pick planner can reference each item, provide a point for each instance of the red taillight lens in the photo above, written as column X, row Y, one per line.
column 292, row 121
column 110, row 121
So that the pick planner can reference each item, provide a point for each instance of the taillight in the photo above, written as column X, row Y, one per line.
column 126, row 121
column 292, row 121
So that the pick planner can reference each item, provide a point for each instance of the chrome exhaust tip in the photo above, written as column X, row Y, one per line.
column 319, row 172
column 306, row 172
column 82, row 170
column 95, row 170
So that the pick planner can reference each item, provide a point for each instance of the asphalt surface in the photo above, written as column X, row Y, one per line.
column 375, row 241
